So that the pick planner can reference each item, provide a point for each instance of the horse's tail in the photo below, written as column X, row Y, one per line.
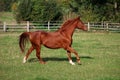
column 24, row 37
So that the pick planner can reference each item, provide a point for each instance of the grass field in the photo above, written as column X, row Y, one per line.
column 99, row 52
column 7, row 17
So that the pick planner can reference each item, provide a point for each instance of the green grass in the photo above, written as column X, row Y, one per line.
column 7, row 17
column 99, row 52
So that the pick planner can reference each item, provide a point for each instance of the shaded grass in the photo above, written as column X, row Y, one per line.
column 99, row 52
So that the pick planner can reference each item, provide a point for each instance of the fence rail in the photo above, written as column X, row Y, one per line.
column 38, row 25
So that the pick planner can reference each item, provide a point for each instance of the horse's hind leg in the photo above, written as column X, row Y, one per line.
column 28, row 53
column 38, row 54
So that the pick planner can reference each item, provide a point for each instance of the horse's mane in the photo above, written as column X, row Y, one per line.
column 69, row 21
column 66, row 24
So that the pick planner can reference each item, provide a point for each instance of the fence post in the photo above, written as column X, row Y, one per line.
column 48, row 25
column 107, row 26
column 4, row 26
column 28, row 26
column 88, row 26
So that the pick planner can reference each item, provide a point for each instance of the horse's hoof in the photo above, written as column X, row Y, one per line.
column 79, row 64
column 24, row 59
column 72, row 63
column 43, row 62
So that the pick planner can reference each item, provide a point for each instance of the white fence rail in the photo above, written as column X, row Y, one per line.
column 104, row 26
column 38, row 25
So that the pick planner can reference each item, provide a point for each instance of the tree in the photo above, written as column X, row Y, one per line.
column 37, row 10
column 47, row 10
column 68, row 8
column 5, row 5
column 99, row 10
column 23, row 10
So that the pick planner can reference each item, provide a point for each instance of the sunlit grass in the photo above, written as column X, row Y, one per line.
column 99, row 52
column 7, row 17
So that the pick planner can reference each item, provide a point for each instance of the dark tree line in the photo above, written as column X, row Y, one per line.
column 52, row 10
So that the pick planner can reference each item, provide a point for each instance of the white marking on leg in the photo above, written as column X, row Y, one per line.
column 71, row 62
column 24, row 59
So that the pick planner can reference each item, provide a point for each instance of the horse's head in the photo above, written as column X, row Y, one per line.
column 81, row 25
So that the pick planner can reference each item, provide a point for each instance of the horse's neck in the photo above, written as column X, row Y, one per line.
column 69, row 30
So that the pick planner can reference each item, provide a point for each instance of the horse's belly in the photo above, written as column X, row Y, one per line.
column 52, row 46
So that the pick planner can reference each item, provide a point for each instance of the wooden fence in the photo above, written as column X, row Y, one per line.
column 38, row 25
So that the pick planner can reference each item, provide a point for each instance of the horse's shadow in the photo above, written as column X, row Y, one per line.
column 57, row 59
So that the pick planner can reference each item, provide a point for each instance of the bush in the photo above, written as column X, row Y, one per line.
column 37, row 10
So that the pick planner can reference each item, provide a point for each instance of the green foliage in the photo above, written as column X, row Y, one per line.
column 88, row 14
column 5, row 5
column 44, row 11
column 37, row 10
column 47, row 10
column 99, row 10
column 23, row 10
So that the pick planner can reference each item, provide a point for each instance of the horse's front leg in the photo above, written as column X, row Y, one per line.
column 28, row 53
column 76, row 54
column 38, row 55
column 69, row 58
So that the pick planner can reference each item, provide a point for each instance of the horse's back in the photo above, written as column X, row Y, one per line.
column 40, row 36
column 35, row 37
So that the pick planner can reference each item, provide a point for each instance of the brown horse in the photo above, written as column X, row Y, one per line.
column 62, row 38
